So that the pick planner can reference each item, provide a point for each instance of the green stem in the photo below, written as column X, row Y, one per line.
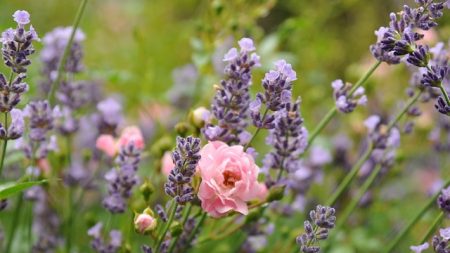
column 199, row 224
column 166, row 228
column 416, row 218
column 14, row 223
column 433, row 227
column 349, row 177
column 186, row 216
column 333, row 111
column 5, row 144
column 62, row 62
column 444, row 92
column 257, row 130
column 369, row 181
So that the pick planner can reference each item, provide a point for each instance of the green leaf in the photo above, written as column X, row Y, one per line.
column 10, row 188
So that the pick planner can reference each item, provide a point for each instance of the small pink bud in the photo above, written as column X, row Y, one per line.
column 145, row 222
column 107, row 144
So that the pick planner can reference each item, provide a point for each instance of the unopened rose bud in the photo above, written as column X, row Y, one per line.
column 145, row 222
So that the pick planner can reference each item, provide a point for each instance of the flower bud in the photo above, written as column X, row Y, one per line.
column 176, row 228
column 145, row 222
column 146, row 189
column 200, row 116
column 276, row 193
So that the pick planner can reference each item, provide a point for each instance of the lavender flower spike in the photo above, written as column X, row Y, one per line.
column 346, row 102
column 122, row 181
column 444, row 200
column 231, row 102
column 277, row 86
column 17, row 43
column 288, row 137
column 323, row 219
column 420, row 248
column 185, row 158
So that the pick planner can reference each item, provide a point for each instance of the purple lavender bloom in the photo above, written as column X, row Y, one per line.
column 98, row 243
column 110, row 116
column 444, row 200
column 323, row 219
column 288, row 137
column 146, row 249
column 54, row 45
column 17, row 43
column 16, row 128
column 38, row 143
column 21, row 17
column 121, row 181
column 420, row 248
column 185, row 158
column 277, row 86
column 231, row 103
column 440, row 244
column 400, row 38
column 346, row 102
column 11, row 93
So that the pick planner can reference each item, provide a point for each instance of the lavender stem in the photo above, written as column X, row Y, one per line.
column 431, row 230
column 333, row 111
column 416, row 218
column 55, row 84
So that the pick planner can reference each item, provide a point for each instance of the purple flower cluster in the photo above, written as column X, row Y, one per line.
column 231, row 102
column 400, row 40
column 71, row 94
column 109, row 116
column 441, row 243
column 16, row 48
column 99, row 244
column 444, row 200
column 185, row 158
column 122, row 179
column 17, row 43
column 323, row 219
column 277, row 86
column 346, row 100
column 289, row 139
column 41, row 122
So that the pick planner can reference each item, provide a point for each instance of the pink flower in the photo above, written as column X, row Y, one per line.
column 167, row 163
column 229, row 179
column 111, row 146
column 107, row 144
column 131, row 134
column 144, row 223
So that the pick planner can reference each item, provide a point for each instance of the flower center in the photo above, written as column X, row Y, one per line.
column 230, row 178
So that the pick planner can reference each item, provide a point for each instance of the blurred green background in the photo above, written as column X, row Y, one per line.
column 133, row 46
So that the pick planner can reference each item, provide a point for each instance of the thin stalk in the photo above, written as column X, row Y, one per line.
column 5, row 144
column 257, row 130
column 199, row 224
column 14, row 223
column 5, row 141
column 348, row 179
column 70, row 200
column 333, row 111
column 444, row 92
column 166, row 228
column 186, row 216
column 416, row 218
column 369, row 181
column 433, row 227
column 62, row 62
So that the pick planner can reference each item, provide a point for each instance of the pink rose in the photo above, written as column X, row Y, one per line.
column 111, row 146
column 167, row 163
column 131, row 134
column 107, row 144
column 229, row 179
